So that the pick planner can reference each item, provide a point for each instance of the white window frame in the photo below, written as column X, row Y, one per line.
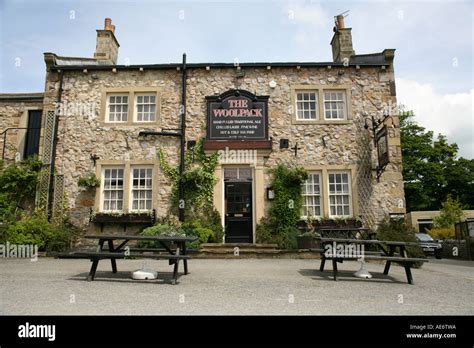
column 131, row 199
column 344, row 101
column 349, row 184
column 315, row 100
column 135, row 105
column 107, row 110
column 321, row 197
column 102, row 189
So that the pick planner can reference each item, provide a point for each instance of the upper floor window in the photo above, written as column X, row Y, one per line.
column 117, row 108
column 307, row 105
column 311, row 190
column 145, row 107
column 335, row 105
column 112, row 194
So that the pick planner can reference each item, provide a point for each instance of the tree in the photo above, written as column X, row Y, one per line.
column 431, row 169
column 450, row 213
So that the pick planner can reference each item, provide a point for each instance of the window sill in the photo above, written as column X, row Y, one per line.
column 322, row 122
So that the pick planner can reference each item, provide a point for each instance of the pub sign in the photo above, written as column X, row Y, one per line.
column 237, row 115
column 382, row 147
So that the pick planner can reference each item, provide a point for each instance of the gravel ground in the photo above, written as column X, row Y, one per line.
column 237, row 287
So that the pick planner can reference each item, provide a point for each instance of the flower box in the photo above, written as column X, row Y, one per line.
column 130, row 218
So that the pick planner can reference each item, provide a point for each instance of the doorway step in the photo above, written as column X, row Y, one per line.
column 249, row 251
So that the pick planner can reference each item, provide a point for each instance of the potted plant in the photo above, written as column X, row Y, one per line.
column 308, row 239
column 89, row 181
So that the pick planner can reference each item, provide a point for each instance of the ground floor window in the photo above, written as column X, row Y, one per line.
column 330, row 189
column 311, row 190
column 126, row 188
column 112, row 193
column 339, row 194
column 142, row 189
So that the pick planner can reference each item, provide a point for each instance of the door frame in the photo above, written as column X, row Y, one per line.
column 222, row 184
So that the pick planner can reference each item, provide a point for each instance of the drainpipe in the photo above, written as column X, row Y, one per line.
column 181, row 202
column 53, row 152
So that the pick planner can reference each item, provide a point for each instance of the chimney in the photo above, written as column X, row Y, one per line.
column 341, row 41
column 107, row 45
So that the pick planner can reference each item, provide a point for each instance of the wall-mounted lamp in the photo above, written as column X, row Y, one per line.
column 270, row 193
column 284, row 143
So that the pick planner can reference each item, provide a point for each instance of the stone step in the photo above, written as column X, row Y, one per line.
column 278, row 254
column 241, row 246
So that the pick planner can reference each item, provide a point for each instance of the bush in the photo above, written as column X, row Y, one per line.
column 284, row 236
column 400, row 231
column 280, row 227
column 38, row 231
column 163, row 230
column 442, row 233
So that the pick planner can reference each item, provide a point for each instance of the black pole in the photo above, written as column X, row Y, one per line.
column 181, row 201
column 55, row 141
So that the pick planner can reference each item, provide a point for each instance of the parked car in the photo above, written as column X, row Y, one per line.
column 430, row 246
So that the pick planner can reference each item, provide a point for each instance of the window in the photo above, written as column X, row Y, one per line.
column 334, row 105
column 306, row 105
column 311, row 190
column 339, row 194
column 145, row 108
column 142, row 188
column 112, row 189
column 117, row 108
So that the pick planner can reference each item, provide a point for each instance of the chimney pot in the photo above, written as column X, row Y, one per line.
column 340, row 22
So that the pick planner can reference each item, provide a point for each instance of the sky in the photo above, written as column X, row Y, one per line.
column 433, row 42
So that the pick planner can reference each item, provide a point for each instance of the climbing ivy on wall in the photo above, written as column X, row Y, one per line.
column 280, row 227
column 198, row 178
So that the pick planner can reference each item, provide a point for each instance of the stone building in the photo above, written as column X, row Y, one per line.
column 110, row 119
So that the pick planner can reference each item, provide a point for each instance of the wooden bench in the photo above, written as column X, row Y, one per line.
column 95, row 256
column 388, row 256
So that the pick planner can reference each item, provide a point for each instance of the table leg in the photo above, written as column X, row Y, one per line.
column 112, row 261
column 387, row 265
column 407, row 265
column 91, row 275
column 185, row 262
column 323, row 262
column 334, row 268
column 175, row 269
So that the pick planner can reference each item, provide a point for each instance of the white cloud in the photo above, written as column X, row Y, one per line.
column 448, row 114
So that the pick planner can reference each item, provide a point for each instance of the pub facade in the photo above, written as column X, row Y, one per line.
column 333, row 118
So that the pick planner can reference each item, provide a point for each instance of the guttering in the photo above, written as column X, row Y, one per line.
column 181, row 201
column 165, row 134
column 215, row 65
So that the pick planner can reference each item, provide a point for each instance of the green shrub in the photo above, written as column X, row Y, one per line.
column 163, row 230
column 442, row 233
column 37, row 230
column 280, row 227
column 400, row 231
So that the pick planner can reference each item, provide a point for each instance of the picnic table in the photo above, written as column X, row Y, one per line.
column 389, row 251
column 172, row 249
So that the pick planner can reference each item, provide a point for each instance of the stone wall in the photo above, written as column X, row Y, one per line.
column 347, row 144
